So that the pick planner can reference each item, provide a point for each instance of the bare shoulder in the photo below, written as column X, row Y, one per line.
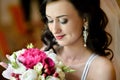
column 102, row 69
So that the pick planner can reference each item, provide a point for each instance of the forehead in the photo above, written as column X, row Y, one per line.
column 61, row 7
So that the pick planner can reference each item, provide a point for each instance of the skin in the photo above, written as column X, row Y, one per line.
column 63, row 24
column 69, row 35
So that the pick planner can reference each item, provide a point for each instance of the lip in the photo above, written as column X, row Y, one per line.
column 59, row 37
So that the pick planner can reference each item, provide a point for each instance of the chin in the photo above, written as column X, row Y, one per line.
column 63, row 43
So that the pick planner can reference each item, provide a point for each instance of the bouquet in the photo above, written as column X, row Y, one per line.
column 34, row 64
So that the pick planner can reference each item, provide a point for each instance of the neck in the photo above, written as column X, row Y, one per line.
column 72, row 54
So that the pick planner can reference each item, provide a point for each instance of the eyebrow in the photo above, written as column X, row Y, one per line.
column 58, row 16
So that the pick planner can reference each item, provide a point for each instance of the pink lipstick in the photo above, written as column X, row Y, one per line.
column 59, row 37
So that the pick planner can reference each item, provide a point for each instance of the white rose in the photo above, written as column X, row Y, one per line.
column 38, row 68
column 61, row 73
column 12, row 78
column 52, row 55
column 60, row 64
column 52, row 78
column 41, row 77
column 29, row 75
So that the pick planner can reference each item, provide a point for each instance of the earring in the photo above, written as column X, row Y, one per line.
column 85, row 33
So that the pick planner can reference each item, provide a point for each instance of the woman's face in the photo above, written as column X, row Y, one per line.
column 64, row 22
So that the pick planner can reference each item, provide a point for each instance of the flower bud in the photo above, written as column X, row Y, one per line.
column 55, row 74
column 47, row 71
column 46, row 66
column 44, row 74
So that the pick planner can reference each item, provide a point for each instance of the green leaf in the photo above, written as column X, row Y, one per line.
column 13, row 61
column 47, row 77
column 67, row 69
column 14, row 65
column 30, row 45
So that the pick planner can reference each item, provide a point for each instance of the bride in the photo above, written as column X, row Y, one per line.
column 113, row 12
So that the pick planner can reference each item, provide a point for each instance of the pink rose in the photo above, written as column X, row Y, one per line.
column 49, row 66
column 49, row 62
column 31, row 57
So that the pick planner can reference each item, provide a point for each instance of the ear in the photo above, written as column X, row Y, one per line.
column 86, row 17
column 85, row 20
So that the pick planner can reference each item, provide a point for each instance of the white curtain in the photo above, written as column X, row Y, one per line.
column 112, row 10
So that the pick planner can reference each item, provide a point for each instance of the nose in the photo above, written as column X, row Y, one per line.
column 56, row 27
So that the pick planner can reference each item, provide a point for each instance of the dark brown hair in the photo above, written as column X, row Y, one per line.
column 98, row 39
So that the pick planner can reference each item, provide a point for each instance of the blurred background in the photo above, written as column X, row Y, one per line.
column 20, row 25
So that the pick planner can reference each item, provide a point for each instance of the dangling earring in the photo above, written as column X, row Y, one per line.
column 85, row 33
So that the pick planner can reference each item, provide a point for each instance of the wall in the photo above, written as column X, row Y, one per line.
column 15, row 31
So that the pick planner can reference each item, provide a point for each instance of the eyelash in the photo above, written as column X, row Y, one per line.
column 62, row 21
column 49, row 21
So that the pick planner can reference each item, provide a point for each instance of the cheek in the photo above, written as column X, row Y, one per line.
column 76, row 24
column 50, row 27
column 77, row 32
column 75, row 28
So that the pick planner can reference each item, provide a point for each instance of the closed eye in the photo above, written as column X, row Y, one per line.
column 49, row 21
column 63, row 21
